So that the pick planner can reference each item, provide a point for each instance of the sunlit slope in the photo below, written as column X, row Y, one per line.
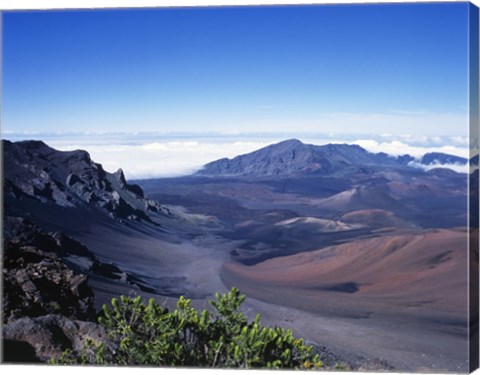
column 399, row 273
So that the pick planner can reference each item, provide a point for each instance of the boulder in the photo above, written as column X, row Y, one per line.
column 36, row 283
column 44, row 338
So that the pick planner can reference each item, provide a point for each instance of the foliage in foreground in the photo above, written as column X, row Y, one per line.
column 151, row 335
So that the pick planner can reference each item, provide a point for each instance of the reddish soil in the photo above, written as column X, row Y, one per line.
column 404, row 273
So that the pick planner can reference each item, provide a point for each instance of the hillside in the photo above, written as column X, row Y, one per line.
column 70, row 179
column 294, row 158
column 328, row 240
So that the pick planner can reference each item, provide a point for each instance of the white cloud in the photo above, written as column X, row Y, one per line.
column 454, row 167
column 155, row 155
column 459, row 141
column 397, row 148
column 158, row 159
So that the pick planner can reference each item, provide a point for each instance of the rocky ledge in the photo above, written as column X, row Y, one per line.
column 43, row 338
column 34, row 171
column 47, row 303
column 38, row 283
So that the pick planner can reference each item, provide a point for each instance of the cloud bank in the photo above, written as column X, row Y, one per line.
column 144, row 156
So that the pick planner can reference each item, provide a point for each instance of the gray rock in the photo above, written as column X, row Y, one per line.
column 35, row 171
column 46, row 337
column 36, row 282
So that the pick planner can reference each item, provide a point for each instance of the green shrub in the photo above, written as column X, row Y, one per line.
column 151, row 335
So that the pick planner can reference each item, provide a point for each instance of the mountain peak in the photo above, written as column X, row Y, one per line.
column 286, row 147
column 286, row 158
column 33, row 144
column 292, row 158
column 441, row 158
column 120, row 176
column 290, row 142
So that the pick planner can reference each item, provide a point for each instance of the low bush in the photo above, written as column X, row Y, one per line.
column 149, row 334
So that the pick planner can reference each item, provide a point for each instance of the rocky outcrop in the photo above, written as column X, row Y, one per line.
column 33, row 170
column 47, row 303
column 47, row 273
column 21, row 232
column 36, row 283
column 44, row 338
column 133, row 189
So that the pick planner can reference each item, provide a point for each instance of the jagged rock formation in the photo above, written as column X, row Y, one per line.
column 47, row 302
column 37, row 283
column 43, row 273
column 21, row 232
column 57, row 265
column 33, row 170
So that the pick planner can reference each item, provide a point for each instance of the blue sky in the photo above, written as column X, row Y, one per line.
column 396, row 69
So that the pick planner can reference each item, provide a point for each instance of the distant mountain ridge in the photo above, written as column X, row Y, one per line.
column 441, row 158
column 292, row 157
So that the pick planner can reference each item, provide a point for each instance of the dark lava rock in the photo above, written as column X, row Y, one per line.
column 44, row 338
column 134, row 189
column 35, row 171
column 21, row 231
column 37, row 283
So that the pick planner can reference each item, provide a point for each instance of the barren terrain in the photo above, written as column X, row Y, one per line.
column 363, row 254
